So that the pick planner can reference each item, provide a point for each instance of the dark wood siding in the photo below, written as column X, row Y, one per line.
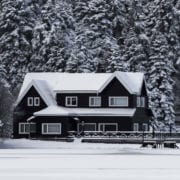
column 124, row 123
column 22, row 112
column 141, row 116
column 115, row 88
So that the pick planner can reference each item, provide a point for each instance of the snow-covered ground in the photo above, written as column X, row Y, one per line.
column 46, row 160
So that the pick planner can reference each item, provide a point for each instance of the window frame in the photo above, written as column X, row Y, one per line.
column 28, row 101
column 71, row 97
column 140, row 101
column 50, row 133
column 28, row 124
column 86, row 124
column 144, row 129
column 35, row 103
column 124, row 105
column 94, row 97
column 103, row 124
column 24, row 124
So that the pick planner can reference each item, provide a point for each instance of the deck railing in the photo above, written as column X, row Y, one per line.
column 126, row 134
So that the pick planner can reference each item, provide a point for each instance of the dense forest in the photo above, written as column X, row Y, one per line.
column 92, row 36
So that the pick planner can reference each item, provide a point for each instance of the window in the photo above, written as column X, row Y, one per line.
column 23, row 128
column 136, row 127
column 140, row 101
column 144, row 127
column 108, row 127
column 30, row 101
column 118, row 101
column 36, row 101
column 33, row 101
column 95, row 101
column 87, row 127
column 51, row 128
column 71, row 101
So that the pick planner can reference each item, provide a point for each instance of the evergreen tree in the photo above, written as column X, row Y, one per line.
column 160, row 82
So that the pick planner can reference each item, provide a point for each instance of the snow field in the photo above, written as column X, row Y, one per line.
column 33, row 160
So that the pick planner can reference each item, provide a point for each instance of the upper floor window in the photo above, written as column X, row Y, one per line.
column 145, row 127
column 140, row 101
column 33, row 101
column 136, row 127
column 71, row 101
column 95, row 101
column 118, row 101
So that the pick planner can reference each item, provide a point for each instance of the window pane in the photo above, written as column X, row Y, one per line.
column 26, row 127
column 144, row 127
column 21, row 127
column 36, row 101
column 30, row 101
column 110, row 127
column 136, row 127
column 74, row 101
column 54, row 128
column 101, row 127
column 68, row 101
column 89, row 127
column 45, row 128
column 119, row 101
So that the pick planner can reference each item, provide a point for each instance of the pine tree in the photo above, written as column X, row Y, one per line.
column 160, row 82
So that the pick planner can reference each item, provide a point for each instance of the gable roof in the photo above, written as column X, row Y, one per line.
column 131, row 81
column 49, row 83
column 42, row 88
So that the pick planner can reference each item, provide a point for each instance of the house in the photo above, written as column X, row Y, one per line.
column 54, row 104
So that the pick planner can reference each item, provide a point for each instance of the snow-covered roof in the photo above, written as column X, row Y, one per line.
column 83, row 82
column 44, row 90
column 62, row 111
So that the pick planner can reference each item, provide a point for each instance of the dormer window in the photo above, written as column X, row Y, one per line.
column 33, row 101
column 94, row 101
column 71, row 101
column 140, row 101
column 118, row 101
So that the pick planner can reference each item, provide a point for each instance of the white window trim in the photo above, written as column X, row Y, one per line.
column 23, row 123
column 136, row 124
column 28, row 101
column 94, row 97
column 125, row 97
column 84, row 124
column 70, row 105
column 107, row 124
column 46, row 133
column 145, row 124
column 35, row 103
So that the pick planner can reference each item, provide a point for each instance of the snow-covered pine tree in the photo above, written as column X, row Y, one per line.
column 6, row 101
column 95, row 40
column 160, row 82
column 53, row 36
column 15, row 39
column 136, row 43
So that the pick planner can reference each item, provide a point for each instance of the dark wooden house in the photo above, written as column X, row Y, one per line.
column 53, row 104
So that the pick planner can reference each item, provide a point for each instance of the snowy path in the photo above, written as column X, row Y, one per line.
column 76, row 161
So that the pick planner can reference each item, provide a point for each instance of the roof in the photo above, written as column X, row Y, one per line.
column 44, row 90
column 85, row 81
column 62, row 111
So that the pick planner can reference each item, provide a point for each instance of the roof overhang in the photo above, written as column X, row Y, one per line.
column 79, row 112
